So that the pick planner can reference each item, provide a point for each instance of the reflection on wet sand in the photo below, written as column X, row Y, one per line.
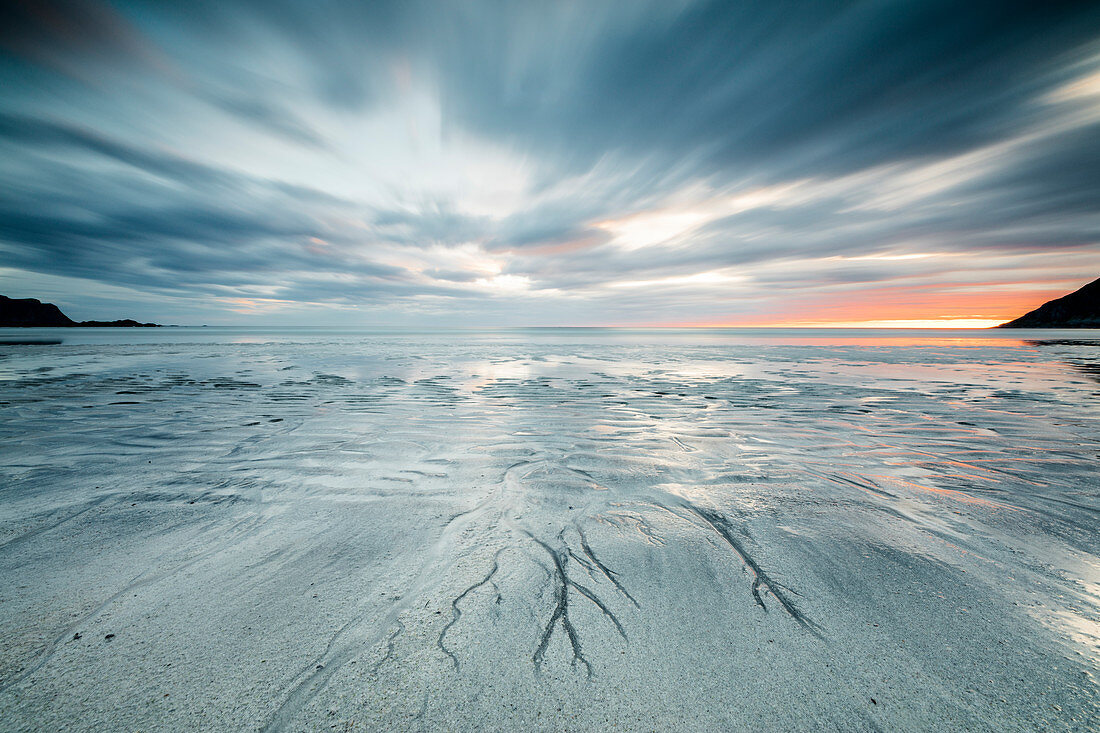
column 391, row 532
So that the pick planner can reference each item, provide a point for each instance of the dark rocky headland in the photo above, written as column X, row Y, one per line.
column 33, row 313
column 1079, row 309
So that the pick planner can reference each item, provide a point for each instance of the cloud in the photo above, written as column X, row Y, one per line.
column 565, row 162
column 267, row 115
column 65, row 34
column 770, row 89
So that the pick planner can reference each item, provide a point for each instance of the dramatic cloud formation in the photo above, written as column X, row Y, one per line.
column 498, row 163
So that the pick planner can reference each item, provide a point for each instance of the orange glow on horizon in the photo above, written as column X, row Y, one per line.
column 975, row 305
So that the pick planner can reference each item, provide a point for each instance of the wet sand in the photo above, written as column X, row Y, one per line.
column 411, row 533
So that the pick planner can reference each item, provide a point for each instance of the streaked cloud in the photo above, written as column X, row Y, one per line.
column 549, row 163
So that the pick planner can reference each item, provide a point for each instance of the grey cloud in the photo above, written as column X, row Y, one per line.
column 457, row 276
column 267, row 115
column 41, row 134
column 428, row 224
column 44, row 133
column 209, row 226
column 64, row 34
column 777, row 89
column 613, row 107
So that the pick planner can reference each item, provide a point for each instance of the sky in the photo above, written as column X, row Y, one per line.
column 549, row 163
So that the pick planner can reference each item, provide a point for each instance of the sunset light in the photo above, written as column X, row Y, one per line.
column 698, row 366
column 432, row 167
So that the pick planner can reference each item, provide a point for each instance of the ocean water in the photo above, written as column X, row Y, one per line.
column 553, row 529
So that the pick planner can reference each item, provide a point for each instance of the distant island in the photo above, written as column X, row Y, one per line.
column 1079, row 309
column 33, row 313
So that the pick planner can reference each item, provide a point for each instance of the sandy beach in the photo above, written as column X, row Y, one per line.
column 565, row 532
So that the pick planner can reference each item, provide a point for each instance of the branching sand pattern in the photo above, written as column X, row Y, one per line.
column 370, row 538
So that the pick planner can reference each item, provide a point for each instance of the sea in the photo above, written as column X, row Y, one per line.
column 549, row 528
